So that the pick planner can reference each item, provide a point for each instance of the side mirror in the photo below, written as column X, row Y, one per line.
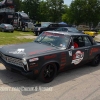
column 72, row 47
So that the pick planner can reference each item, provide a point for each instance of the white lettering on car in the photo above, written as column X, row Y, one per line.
column 18, row 51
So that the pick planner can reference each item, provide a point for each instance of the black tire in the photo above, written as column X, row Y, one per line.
column 95, row 62
column 48, row 73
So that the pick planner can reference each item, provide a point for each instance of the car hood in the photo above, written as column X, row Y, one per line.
column 26, row 50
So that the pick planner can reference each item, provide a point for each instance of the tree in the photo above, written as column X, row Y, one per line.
column 85, row 11
column 31, row 8
column 65, row 15
column 17, row 5
column 55, row 9
column 43, row 10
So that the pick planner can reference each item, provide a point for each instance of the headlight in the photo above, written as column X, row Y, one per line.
column 24, row 61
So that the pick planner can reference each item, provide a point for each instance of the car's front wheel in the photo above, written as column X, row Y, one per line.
column 48, row 73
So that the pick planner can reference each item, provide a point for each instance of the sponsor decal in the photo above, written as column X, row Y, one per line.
column 55, row 35
column 33, row 59
column 93, row 50
column 77, row 57
column 50, row 56
column 63, row 60
column 39, row 51
column 18, row 51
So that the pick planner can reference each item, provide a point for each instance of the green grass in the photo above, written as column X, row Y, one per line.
column 12, row 38
column 99, row 32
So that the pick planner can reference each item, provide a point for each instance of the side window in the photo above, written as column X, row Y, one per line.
column 81, row 41
column 76, row 42
column 87, row 41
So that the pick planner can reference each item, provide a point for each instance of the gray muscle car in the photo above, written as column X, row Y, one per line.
column 51, row 53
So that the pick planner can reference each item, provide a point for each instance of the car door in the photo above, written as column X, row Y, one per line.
column 80, row 55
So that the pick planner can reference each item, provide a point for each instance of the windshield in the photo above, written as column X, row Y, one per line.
column 26, row 20
column 24, row 14
column 45, row 24
column 53, row 39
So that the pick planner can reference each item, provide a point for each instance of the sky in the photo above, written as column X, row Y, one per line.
column 68, row 2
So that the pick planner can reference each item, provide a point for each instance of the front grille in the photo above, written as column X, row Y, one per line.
column 12, row 60
column 30, row 25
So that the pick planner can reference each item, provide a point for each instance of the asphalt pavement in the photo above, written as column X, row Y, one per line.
column 81, row 83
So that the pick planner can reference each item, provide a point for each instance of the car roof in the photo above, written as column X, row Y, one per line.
column 67, row 34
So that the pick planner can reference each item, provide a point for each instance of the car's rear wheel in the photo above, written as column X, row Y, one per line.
column 48, row 72
column 95, row 62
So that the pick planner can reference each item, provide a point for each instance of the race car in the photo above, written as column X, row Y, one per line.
column 51, row 53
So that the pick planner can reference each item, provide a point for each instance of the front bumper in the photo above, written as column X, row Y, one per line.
column 9, row 30
column 19, row 69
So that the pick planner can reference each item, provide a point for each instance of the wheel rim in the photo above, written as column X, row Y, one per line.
column 97, row 60
column 49, row 72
